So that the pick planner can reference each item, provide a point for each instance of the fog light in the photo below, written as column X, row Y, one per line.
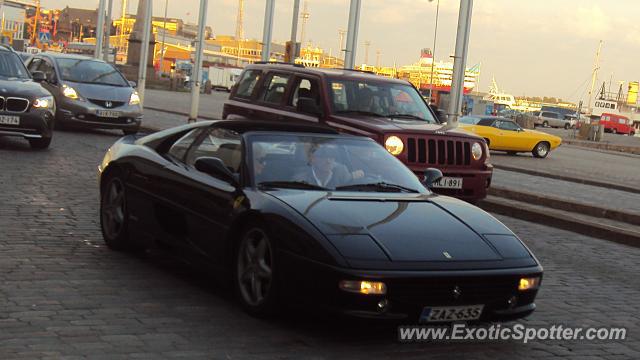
column 529, row 283
column 512, row 302
column 80, row 116
column 383, row 305
column 363, row 287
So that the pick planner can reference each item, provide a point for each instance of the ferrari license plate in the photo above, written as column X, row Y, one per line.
column 9, row 120
column 108, row 113
column 451, row 313
column 448, row 183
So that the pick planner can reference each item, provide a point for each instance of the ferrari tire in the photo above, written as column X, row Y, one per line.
column 567, row 126
column 255, row 271
column 545, row 124
column 114, row 219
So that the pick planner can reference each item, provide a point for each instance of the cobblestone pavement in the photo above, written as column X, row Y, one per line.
column 63, row 294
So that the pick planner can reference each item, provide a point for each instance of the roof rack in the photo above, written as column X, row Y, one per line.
column 277, row 63
column 362, row 71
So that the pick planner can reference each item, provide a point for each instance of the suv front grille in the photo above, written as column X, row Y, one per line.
column 438, row 152
column 103, row 103
column 15, row 104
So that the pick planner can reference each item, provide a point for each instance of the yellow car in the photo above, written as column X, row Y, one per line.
column 505, row 135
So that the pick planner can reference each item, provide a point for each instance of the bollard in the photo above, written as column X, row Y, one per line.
column 207, row 87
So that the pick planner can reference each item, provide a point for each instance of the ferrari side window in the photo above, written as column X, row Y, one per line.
column 223, row 144
column 180, row 147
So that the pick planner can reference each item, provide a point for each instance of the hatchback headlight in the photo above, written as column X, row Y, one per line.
column 45, row 102
column 476, row 151
column 70, row 92
column 394, row 145
column 134, row 99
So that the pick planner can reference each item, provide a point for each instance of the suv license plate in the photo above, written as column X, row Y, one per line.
column 108, row 113
column 451, row 313
column 9, row 120
column 448, row 183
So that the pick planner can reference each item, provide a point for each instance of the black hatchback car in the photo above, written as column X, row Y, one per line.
column 89, row 93
column 26, row 108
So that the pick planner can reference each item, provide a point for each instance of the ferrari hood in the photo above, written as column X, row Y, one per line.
column 404, row 227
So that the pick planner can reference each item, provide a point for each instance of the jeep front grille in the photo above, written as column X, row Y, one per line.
column 438, row 152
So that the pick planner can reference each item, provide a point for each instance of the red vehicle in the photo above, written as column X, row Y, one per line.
column 390, row 111
column 617, row 124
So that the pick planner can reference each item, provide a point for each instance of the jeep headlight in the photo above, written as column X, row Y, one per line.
column 476, row 151
column 70, row 92
column 45, row 102
column 394, row 145
column 134, row 99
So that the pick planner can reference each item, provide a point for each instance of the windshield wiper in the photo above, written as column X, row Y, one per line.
column 291, row 185
column 359, row 112
column 407, row 116
column 381, row 186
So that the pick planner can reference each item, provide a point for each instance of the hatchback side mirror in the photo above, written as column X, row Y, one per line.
column 431, row 176
column 38, row 76
column 132, row 84
column 215, row 167
column 308, row 106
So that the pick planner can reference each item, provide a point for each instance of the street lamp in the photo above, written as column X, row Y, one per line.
column 433, row 53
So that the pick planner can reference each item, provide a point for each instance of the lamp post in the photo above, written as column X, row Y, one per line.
column 197, row 69
column 267, row 29
column 459, row 62
column 352, row 34
column 433, row 53
column 100, row 30
column 164, row 33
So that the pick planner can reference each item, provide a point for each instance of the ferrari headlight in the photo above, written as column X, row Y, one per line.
column 394, row 145
column 363, row 287
column 45, row 102
column 70, row 92
column 476, row 151
column 134, row 99
column 529, row 283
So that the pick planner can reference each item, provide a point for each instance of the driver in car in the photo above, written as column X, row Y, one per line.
column 324, row 171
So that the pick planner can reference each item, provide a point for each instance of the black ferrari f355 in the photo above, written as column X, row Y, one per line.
column 301, row 214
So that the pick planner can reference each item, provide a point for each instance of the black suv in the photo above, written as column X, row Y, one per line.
column 26, row 108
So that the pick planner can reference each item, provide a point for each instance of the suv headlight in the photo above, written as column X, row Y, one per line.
column 476, row 151
column 70, row 92
column 394, row 145
column 45, row 102
column 134, row 99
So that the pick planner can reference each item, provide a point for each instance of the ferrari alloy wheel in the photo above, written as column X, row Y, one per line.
column 113, row 214
column 541, row 150
column 255, row 282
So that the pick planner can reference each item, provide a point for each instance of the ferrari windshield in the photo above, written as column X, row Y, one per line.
column 380, row 99
column 90, row 71
column 327, row 163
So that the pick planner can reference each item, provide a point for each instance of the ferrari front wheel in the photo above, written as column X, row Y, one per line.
column 254, row 278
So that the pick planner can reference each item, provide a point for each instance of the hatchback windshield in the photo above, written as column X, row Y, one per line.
column 328, row 163
column 11, row 66
column 385, row 99
column 90, row 71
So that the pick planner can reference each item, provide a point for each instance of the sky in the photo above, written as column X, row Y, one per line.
column 531, row 48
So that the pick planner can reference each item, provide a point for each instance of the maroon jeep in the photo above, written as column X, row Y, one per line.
column 390, row 111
